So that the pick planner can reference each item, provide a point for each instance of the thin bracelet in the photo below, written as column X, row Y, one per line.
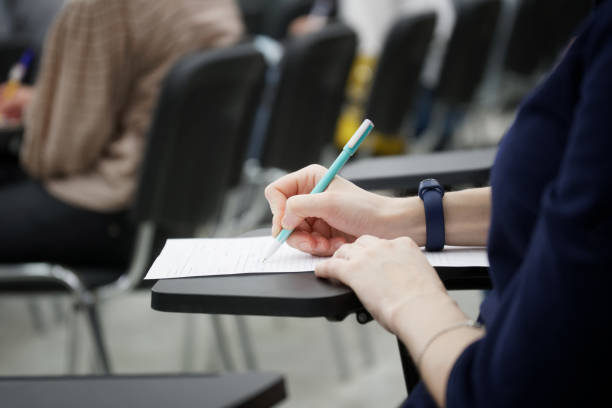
column 467, row 323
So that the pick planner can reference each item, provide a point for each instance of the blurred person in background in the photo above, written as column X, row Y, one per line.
column 85, row 123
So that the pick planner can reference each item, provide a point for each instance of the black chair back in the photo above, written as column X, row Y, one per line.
column 310, row 92
column 399, row 70
column 280, row 14
column 468, row 51
column 196, row 143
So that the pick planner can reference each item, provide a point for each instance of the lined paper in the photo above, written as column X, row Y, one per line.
column 231, row 256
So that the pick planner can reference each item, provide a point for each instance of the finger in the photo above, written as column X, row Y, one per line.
column 367, row 240
column 321, row 227
column 343, row 252
column 333, row 268
column 337, row 242
column 298, row 182
column 303, row 241
column 321, row 205
column 276, row 227
column 322, row 245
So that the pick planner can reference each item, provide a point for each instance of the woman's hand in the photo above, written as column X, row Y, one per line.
column 323, row 222
column 13, row 108
column 386, row 275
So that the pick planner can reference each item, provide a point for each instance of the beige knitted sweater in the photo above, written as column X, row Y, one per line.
column 100, row 75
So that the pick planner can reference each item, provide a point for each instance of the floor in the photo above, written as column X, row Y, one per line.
column 33, row 334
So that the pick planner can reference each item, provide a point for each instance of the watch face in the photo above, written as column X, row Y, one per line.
column 430, row 184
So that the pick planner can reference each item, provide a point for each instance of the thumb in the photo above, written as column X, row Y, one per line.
column 298, row 207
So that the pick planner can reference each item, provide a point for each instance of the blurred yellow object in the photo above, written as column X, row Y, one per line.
column 9, row 91
column 357, row 91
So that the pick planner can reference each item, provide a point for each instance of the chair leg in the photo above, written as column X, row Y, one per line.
column 59, row 313
column 189, row 340
column 73, row 341
column 98, row 339
column 222, row 343
column 245, row 343
column 36, row 315
column 365, row 344
column 338, row 351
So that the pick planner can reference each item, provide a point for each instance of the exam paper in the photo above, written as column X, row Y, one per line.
column 231, row 256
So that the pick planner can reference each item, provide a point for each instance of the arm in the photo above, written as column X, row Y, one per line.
column 402, row 291
column 79, row 90
column 343, row 212
column 467, row 216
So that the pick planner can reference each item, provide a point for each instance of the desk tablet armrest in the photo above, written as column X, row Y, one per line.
column 406, row 171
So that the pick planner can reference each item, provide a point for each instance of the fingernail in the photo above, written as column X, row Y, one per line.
column 290, row 221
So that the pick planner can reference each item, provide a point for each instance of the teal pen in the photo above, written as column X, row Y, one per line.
column 349, row 149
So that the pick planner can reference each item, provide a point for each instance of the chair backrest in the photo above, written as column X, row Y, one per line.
column 196, row 142
column 468, row 51
column 399, row 70
column 310, row 92
column 279, row 15
column 540, row 30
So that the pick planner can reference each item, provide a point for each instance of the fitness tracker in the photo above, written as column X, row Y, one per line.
column 431, row 192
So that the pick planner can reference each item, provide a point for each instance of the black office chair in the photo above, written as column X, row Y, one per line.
column 467, row 51
column 308, row 98
column 278, row 16
column 464, row 64
column 398, row 71
column 195, row 143
column 297, row 118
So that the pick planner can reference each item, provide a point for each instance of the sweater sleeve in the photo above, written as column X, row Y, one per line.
column 79, row 89
column 548, row 340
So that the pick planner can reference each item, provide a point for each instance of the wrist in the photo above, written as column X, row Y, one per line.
column 406, row 218
column 416, row 320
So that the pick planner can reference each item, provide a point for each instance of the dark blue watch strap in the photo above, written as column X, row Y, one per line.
column 434, row 219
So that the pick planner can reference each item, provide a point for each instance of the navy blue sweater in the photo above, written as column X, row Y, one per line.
column 549, row 245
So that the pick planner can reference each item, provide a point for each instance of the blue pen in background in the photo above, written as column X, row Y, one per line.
column 16, row 75
column 349, row 149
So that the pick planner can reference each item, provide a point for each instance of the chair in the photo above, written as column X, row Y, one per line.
column 297, row 116
column 278, row 15
column 464, row 64
column 467, row 52
column 195, row 142
column 398, row 71
column 308, row 98
column 145, row 391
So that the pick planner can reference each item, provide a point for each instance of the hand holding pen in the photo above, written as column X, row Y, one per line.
column 315, row 231
column 14, row 96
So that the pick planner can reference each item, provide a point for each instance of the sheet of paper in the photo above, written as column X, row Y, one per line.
column 230, row 256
